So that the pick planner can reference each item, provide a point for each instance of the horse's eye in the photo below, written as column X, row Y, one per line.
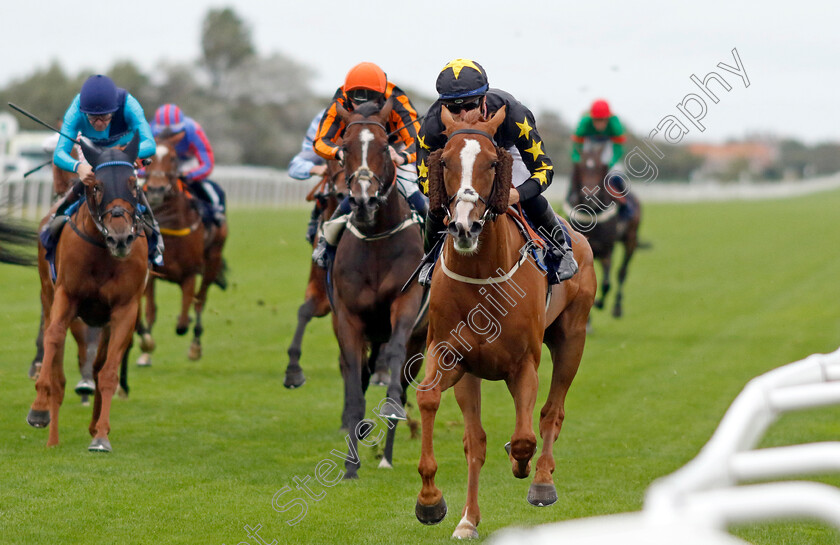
column 443, row 163
column 494, row 164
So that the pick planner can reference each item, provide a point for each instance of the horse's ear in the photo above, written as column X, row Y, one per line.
column 446, row 117
column 496, row 120
column 90, row 151
column 385, row 112
column 343, row 114
column 502, row 183
column 437, row 189
column 133, row 147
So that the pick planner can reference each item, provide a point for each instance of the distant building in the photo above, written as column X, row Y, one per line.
column 735, row 160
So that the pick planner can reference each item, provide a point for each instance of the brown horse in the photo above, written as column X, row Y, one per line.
column 489, row 316
column 87, row 338
column 188, row 250
column 593, row 209
column 316, row 304
column 101, row 267
column 372, row 318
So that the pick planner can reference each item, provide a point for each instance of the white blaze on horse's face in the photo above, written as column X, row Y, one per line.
column 366, row 137
column 467, row 195
column 161, row 151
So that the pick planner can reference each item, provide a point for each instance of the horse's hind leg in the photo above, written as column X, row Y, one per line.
column 630, row 243
column 468, row 395
column 35, row 366
column 147, row 342
column 409, row 372
column 523, row 442
column 187, row 296
column 606, row 266
column 565, row 339
column 294, row 373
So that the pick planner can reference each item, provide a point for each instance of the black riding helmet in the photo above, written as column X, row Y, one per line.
column 461, row 79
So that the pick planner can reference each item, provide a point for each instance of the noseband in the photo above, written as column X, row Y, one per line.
column 114, row 189
column 469, row 194
column 365, row 173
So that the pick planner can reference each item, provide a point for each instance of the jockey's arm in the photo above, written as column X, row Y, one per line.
column 329, row 129
column 70, row 126
column 532, row 149
column 201, row 151
column 136, row 120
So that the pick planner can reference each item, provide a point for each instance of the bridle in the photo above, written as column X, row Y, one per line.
column 469, row 194
column 114, row 188
column 365, row 173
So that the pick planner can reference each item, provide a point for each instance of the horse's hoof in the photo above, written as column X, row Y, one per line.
column 147, row 342
column 350, row 475
column 294, row 379
column 617, row 312
column 542, row 494
column 385, row 464
column 85, row 387
column 100, row 445
column 507, row 448
column 181, row 330
column 85, row 401
column 195, row 352
column 121, row 393
column 598, row 304
column 35, row 370
column 145, row 360
column 38, row 419
column 380, row 378
column 430, row 514
column 392, row 410
column 465, row 530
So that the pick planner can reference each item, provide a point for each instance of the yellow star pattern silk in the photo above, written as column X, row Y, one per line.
column 524, row 128
column 422, row 141
column 458, row 64
column 535, row 150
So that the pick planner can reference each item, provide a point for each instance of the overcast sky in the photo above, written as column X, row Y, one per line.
column 549, row 54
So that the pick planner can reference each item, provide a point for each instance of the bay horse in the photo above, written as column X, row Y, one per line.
column 189, row 250
column 489, row 316
column 373, row 319
column 328, row 192
column 593, row 208
column 101, row 265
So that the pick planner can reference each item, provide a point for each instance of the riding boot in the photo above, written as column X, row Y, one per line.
column 435, row 230
column 70, row 198
column 419, row 203
column 152, row 229
column 549, row 226
column 331, row 233
column 312, row 227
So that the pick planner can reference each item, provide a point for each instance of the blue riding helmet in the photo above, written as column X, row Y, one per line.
column 98, row 96
column 460, row 79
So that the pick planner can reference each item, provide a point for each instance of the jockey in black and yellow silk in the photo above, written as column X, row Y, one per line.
column 462, row 86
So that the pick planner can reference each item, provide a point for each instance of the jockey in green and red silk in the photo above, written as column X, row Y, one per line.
column 108, row 116
column 195, row 158
column 462, row 85
column 600, row 127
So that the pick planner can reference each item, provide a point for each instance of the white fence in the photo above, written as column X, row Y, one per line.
column 250, row 187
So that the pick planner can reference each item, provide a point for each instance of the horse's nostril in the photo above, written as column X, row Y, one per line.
column 475, row 228
column 109, row 240
column 453, row 229
column 129, row 239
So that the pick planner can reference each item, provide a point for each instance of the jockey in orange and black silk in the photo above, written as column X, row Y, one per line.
column 195, row 158
column 462, row 86
column 367, row 82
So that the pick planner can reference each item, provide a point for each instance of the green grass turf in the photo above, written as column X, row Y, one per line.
column 727, row 292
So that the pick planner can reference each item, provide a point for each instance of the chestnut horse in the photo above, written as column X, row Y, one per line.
column 593, row 208
column 372, row 318
column 187, row 250
column 87, row 338
column 328, row 191
column 489, row 316
column 101, row 264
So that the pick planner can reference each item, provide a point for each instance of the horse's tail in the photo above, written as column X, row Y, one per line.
column 17, row 240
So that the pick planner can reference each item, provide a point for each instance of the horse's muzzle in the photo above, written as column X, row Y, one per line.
column 120, row 245
column 465, row 240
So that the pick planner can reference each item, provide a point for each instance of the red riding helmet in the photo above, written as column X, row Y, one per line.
column 600, row 109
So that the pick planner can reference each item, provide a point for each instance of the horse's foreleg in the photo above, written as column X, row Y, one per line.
column 122, row 327
column 431, row 507
column 349, row 332
column 523, row 442
column 294, row 374
column 37, row 361
column 468, row 395
column 403, row 314
column 98, row 364
column 51, row 382
column 565, row 339
column 187, row 296
column 606, row 265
